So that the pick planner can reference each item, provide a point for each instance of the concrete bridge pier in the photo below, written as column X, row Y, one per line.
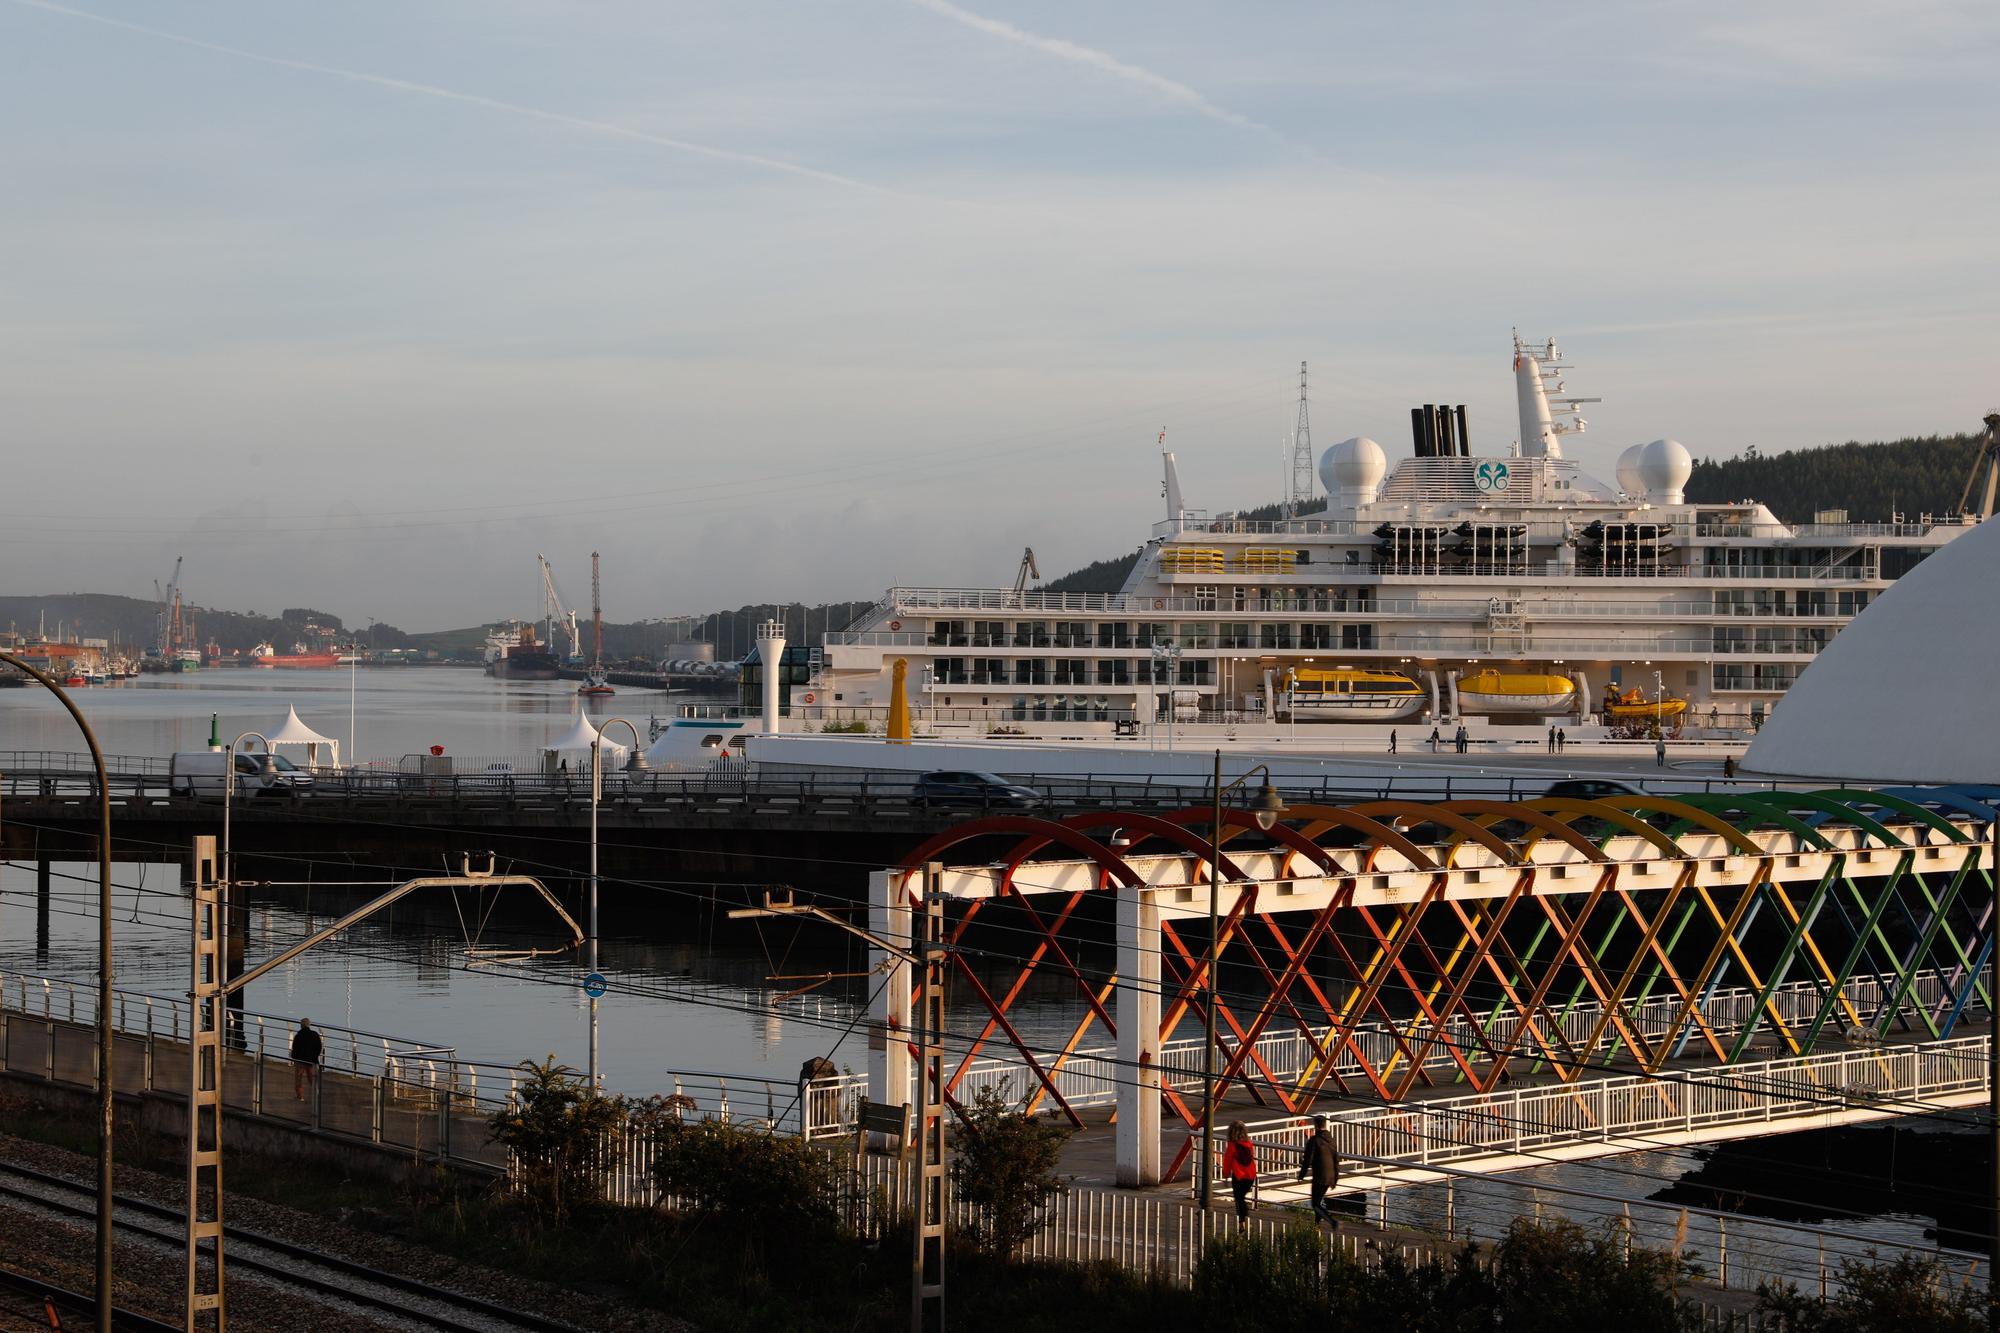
column 1137, row 1009
column 889, row 1061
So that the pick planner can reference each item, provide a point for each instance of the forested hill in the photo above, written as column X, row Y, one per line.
column 1923, row 475
column 1870, row 481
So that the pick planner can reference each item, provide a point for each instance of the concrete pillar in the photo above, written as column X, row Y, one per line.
column 1137, row 1010
column 889, row 918
column 771, row 651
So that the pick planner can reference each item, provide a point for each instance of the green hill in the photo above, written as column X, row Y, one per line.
column 133, row 622
column 1921, row 475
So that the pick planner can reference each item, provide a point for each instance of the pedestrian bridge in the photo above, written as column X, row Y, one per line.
column 1475, row 984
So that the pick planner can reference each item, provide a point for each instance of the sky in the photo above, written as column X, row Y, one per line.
column 362, row 306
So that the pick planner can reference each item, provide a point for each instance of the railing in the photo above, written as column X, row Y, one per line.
column 1502, row 1129
column 1091, row 1076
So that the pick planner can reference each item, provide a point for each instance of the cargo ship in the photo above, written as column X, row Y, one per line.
column 264, row 655
column 526, row 658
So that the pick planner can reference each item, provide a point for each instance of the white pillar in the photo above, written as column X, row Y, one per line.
column 1137, row 1010
column 771, row 650
column 889, row 1012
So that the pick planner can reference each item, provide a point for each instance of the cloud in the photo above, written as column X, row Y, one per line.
column 603, row 127
column 1171, row 89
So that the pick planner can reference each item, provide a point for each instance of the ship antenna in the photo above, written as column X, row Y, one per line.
column 1302, row 456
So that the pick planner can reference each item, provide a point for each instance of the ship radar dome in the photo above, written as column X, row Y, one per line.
column 1352, row 472
column 1629, row 480
column 1664, row 469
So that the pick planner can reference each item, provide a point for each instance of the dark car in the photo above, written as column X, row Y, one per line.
column 1592, row 789
column 982, row 790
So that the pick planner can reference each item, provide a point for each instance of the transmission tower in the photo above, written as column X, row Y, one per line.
column 1302, row 456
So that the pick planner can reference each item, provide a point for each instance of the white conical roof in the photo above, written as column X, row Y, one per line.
column 579, row 738
column 1905, row 693
column 296, row 732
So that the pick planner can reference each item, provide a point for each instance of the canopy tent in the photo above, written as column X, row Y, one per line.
column 295, row 732
column 573, row 748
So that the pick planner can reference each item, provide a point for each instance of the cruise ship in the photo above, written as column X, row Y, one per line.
column 1446, row 587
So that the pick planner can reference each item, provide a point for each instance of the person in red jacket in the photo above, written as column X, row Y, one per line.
column 1239, row 1163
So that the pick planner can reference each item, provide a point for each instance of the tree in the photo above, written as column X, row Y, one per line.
column 554, row 1124
column 1004, row 1165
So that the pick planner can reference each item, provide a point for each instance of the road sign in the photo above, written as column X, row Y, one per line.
column 593, row 985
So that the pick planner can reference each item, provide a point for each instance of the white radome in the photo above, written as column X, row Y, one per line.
column 1664, row 468
column 1352, row 471
column 1629, row 480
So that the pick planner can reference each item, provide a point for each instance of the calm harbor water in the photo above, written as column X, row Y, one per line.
column 692, row 992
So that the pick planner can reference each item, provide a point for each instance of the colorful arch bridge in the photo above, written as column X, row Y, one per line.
column 1471, row 981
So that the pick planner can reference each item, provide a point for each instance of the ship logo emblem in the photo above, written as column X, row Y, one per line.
column 1490, row 476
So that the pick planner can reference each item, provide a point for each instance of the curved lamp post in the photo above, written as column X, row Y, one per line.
column 103, row 990
column 636, row 764
column 1267, row 807
column 229, row 791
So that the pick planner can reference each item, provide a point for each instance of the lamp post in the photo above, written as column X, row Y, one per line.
column 103, row 988
column 636, row 764
column 1166, row 656
column 1267, row 807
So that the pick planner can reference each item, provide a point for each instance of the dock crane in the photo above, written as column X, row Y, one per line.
column 168, row 637
column 1028, row 570
column 1986, row 466
column 559, row 613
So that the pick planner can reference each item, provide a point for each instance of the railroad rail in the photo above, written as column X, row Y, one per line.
column 302, row 1268
column 46, row 1295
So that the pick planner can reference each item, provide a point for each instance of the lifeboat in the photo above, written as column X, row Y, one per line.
column 1634, row 706
column 1527, row 693
column 1349, row 694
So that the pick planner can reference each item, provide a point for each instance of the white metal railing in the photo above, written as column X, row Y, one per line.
column 1091, row 1076
column 1500, row 1128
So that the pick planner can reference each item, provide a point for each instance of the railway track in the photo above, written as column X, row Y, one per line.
column 30, row 1298
column 279, row 1262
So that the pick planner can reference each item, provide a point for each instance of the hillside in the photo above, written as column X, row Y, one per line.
column 1923, row 475
column 133, row 622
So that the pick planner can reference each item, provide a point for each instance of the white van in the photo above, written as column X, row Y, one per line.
column 199, row 773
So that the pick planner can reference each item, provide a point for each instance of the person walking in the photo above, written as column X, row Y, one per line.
column 306, row 1048
column 1239, row 1163
column 1392, row 742
column 1729, row 767
column 1321, row 1160
column 1434, row 740
column 1660, row 752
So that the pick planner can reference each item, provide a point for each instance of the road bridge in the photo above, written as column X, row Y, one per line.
column 1482, row 983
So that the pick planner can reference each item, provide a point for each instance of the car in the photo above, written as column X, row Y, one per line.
column 200, row 773
column 983, row 790
column 1592, row 789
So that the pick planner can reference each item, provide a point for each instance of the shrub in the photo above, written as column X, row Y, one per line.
column 747, row 1175
column 553, row 1123
column 1558, row 1278
column 1909, row 1293
column 1004, row 1165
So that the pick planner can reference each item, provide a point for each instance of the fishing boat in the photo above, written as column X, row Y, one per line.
column 1352, row 694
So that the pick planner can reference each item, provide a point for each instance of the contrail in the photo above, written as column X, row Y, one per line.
column 470, row 99
column 1099, row 60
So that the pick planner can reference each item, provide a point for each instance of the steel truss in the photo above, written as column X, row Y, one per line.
column 1412, row 944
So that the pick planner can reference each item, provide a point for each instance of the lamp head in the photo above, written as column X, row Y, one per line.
column 1268, row 806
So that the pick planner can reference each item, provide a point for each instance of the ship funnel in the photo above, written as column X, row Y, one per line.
column 771, row 651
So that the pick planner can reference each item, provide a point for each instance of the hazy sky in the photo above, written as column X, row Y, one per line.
column 361, row 305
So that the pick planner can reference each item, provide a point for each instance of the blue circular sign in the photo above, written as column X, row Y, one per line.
column 593, row 985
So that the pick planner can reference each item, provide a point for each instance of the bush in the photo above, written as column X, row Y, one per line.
column 553, row 1124
column 1558, row 1278
column 751, row 1176
column 1909, row 1293
column 1004, row 1165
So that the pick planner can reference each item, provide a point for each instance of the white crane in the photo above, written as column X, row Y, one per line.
column 559, row 612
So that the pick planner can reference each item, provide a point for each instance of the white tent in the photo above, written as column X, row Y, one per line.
column 295, row 732
column 574, row 748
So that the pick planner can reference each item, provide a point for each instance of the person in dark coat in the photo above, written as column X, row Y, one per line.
column 1320, row 1160
column 306, row 1048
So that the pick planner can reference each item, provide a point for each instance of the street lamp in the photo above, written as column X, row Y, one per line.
column 103, row 989
column 1266, row 808
column 636, row 764
column 1166, row 656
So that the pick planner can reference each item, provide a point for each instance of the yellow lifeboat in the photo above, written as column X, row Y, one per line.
column 1634, row 706
column 1492, row 691
column 1352, row 694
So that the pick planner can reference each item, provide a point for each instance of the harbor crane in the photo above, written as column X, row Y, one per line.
column 1985, row 474
column 559, row 612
